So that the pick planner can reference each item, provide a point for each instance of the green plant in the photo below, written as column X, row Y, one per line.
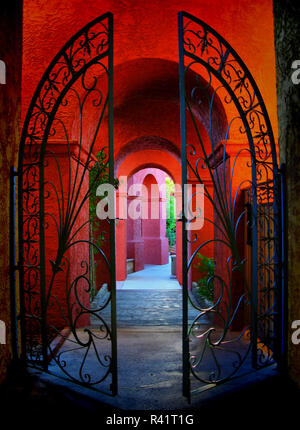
column 99, row 174
column 206, row 269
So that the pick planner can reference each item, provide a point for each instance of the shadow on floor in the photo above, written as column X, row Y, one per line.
column 24, row 398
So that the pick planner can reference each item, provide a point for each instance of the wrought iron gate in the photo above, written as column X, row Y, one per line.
column 65, row 252
column 227, row 145
column 66, row 150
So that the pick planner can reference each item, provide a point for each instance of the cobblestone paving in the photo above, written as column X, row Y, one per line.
column 146, row 308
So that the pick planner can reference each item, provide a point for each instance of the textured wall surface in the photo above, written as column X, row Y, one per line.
column 150, row 32
column 287, row 35
column 10, row 99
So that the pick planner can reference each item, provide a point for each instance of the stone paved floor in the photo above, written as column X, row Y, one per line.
column 149, row 366
column 147, row 308
column 150, row 297
column 149, row 339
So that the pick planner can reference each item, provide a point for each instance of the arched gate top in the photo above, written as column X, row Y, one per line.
column 205, row 45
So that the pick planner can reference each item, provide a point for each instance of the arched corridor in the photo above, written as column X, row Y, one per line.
column 95, row 253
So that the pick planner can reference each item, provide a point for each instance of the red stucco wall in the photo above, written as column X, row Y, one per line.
column 150, row 32
column 146, row 72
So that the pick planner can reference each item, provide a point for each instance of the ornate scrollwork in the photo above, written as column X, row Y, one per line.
column 233, row 339
column 212, row 51
column 60, row 138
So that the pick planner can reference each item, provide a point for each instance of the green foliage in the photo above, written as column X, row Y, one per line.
column 99, row 174
column 206, row 269
column 170, row 209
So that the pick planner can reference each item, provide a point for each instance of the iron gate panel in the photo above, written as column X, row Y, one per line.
column 227, row 145
column 61, row 241
column 67, row 254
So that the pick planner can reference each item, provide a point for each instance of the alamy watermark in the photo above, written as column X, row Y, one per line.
column 296, row 74
column 2, row 333
column 296, row 333
column 2, row 72
column 138, row 202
